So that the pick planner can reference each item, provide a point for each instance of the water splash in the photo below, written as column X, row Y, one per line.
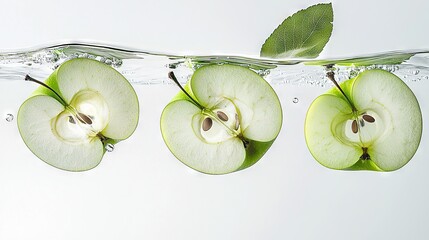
column 143, row 67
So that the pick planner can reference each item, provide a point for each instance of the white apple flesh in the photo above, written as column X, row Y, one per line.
column 378, row 126
column 88, row 106
column 230, row 122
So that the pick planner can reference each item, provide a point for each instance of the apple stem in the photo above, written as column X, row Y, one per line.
column 331, row 76
column 365, row 155
column 103, row 138
column 245, row 141
column 28, row 78
column 173, row 77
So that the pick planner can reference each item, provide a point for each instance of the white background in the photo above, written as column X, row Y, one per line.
column 222, row 26
column 140, row 191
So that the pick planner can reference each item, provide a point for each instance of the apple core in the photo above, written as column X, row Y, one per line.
column 82, row 120
column 219, row 123
column 364, row 129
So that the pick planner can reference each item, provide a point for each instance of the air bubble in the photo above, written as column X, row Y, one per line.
column 116, row 62
column 100, row 59
column 295, row 100
column 263, row 73
column 51, row 57
column 110, row 147
column 9, row 117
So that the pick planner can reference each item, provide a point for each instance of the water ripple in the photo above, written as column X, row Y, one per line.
column 145, row 67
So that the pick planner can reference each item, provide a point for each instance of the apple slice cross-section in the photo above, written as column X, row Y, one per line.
column 371, row 122
column 81, row 108
column 225, row 119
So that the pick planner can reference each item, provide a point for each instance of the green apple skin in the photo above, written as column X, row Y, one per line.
column 43, row 92
column 254, row 150
column 348, row 156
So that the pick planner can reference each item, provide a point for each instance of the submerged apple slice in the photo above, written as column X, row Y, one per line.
column 371, row 122
column 83, row 106
column 225, row 121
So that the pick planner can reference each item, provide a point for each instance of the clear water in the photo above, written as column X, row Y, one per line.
column 140, row 185
column 141, row 67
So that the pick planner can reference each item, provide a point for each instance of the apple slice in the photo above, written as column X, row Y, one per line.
column 83, row 106
column 225, row 121
column 371, row 122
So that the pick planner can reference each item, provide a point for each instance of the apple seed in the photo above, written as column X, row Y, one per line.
column 84, row 118
column 368, row 118
column 71, row 120
column 222, row 116
column 237, row 123
column 207, row 124
column 354, row 126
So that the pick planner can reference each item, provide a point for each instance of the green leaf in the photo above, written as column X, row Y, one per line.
column 302, row 35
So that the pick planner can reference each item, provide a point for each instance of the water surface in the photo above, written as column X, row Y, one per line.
column 144, row 67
